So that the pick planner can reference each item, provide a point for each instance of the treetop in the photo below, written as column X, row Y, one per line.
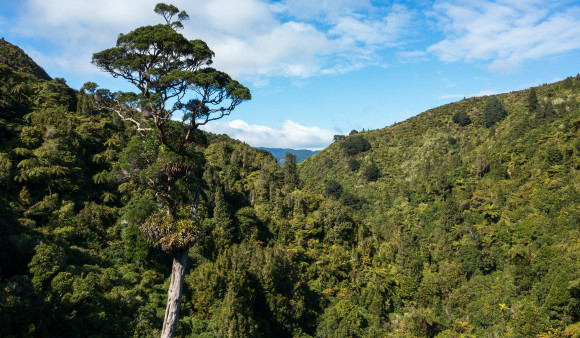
column 168, row 12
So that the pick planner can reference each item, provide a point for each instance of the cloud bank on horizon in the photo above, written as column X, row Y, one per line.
column 289, row 135
column 258, row 40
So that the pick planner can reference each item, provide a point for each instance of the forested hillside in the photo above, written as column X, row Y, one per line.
column 473, row 208
column 439, row 225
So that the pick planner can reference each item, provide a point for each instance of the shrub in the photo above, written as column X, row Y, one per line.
column 372, row 172
column 461, row 118
column 333, row 189
column 355, row 144
column 353, row 164
column 493, row 111
column 350, row 200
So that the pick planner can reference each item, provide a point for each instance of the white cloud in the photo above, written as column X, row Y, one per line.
column 290, row 49
column 504, row 33
column 323, row 10
column 412, row 56
column 234, row 17
column 252, row 39
column 289, row 135
column 385, row 31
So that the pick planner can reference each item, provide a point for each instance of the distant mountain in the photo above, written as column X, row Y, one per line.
column 280, row 153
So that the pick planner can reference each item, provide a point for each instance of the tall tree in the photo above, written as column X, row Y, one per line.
column 532, row 101
column 290, row 171
column 493, row 111
column 172, row 76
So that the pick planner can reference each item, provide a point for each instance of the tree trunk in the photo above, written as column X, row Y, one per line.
column 174, row 294
column 176, row 284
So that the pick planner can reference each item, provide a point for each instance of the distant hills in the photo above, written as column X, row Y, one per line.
column 280, row 153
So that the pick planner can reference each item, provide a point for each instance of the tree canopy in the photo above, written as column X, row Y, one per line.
column 493, row 111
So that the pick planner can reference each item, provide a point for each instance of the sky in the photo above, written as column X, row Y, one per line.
column 325, row 67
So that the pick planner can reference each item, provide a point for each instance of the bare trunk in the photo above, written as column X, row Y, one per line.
column 176, row 284
column 174, row 294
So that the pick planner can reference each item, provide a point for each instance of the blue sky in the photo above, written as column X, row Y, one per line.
column 319, row 68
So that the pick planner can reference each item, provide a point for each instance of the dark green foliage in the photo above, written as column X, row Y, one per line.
column 349, row 199
column 532, row 101
column 355, row 144
column 15, row 58
column 333, row 189
column 493, row 111
column 567, row 83
column 554, row 156
column 353, row 164
column 371, row 172
column 290, row 171
column 461, row 118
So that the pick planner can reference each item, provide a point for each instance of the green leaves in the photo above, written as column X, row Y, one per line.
column 493, row 111
column 171, row 234
column 164, row 66
column 48, row 260
column 461, row 118
column 355, row 144
column 168, row 12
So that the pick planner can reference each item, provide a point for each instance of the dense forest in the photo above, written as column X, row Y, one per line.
column 461, row 221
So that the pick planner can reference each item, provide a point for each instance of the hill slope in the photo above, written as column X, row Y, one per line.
column 15, row 57
column 478, row 224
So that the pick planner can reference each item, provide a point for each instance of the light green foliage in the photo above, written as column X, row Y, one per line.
column 47, row 262
column 171, row 234
column 341, row 320
column 470, row 225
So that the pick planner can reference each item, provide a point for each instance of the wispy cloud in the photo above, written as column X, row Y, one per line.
column 503, row 33
column 412, row 56
column 289, row 135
